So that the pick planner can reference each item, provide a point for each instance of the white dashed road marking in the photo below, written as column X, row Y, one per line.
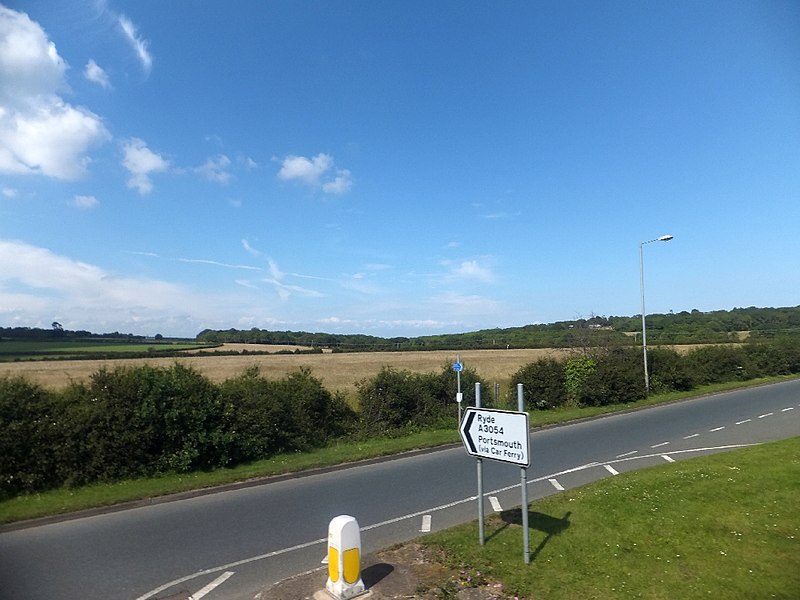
column 716, row 429
column 787, row 409
column 745, row 421
column 426, row 524
column 626, row 454
column 659, row 445
column 765, row 415
column 211, row 586
column 667, row 458
column 688, row 437
column 556, row 485
column 611, row 470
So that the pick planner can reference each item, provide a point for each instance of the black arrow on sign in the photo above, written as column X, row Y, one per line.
column 467, row 436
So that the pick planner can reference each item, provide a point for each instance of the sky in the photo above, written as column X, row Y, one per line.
column 394, row 168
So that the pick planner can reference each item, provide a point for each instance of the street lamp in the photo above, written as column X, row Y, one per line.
column 663, row 238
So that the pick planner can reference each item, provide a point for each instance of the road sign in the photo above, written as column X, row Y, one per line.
column 458, row 367
column 497, row 434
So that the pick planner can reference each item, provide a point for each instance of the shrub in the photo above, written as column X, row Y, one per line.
column 29, row 433
column 394, row 400
column 577, row 372
column 542, row 383
column 717, row 364
column 668, row 371
column 618, row 377
column 265, row 417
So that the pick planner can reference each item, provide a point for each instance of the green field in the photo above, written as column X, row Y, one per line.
column 27, row 350
column 723, row 526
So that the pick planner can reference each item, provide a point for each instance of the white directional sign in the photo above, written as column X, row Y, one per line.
column 497, row 434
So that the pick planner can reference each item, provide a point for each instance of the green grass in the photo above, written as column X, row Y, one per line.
column 722, row 526
column 69, row 500
column 65, row 500
column 26, row 349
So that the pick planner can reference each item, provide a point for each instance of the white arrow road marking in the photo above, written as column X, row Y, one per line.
column 211, row 586
column 611, row 469
column 556, row 485
column 426, row 524
column 495, row 504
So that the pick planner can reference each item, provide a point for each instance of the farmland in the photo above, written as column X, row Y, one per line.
column 337, row 371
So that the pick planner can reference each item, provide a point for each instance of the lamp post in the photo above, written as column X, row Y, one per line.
column 663, row 238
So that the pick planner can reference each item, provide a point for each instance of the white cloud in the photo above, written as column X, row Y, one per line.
column 250, row 249
column 140, row 46
column 95, row 73
column 9, row 192
column 341, row 184
column 84, row 201
column 471, row 269
column 215, row 169
column 140, row 162
column 285, row 290
column 69, row 282
column 40, row 134
column 307, row 170
column 311, row 172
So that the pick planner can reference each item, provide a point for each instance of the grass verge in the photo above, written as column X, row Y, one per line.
column 722, row 526
column 66, row 500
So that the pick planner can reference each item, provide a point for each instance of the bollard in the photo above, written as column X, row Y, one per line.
column 344, row 558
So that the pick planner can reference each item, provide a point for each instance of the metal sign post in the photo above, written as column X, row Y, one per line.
column 458, row 366
column 500, row 435
column 526, row 534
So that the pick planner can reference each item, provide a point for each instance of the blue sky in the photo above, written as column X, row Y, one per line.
column 393, row 168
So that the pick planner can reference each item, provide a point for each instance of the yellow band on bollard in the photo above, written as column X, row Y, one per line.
column 333, row 564
column 352, row 565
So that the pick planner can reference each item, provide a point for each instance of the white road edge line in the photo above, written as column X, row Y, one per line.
column 556, row 485
column 611, row 469
column 495, row 504
column 426, row 524
column 211, row 586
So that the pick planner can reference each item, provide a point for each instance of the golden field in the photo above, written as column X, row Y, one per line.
column 339, row 371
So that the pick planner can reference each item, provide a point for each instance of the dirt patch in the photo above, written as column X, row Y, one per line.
column 410, row 572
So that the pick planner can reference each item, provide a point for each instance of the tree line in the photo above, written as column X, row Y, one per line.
column 685, row 327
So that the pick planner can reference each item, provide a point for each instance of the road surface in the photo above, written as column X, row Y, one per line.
column 230, row 545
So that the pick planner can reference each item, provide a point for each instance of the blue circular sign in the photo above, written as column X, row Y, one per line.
column 457, row 367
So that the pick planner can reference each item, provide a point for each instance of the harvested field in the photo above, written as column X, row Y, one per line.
column 338, row 371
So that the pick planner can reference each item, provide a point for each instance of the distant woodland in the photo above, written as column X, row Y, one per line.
column 686, row 327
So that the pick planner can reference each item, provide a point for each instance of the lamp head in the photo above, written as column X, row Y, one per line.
column 665, row 238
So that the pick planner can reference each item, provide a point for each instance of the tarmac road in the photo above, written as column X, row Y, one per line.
column 230, row 545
